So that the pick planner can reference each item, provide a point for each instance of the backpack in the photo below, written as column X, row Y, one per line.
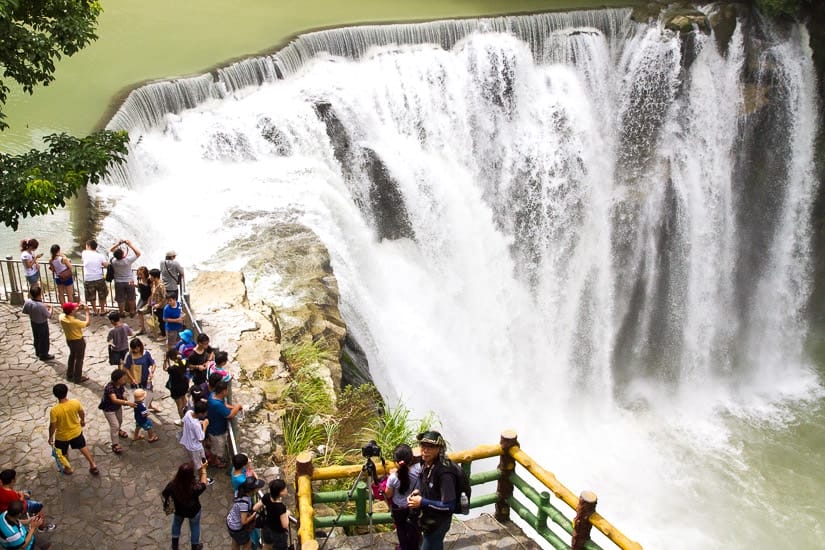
column 463, row 489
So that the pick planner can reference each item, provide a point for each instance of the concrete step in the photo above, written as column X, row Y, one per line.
column 483, row 532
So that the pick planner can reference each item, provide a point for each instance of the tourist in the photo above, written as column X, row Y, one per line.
column 94, row 284
column 8, row 495
column 118, row 340
column 437, row 491
column 173, row 320
column 242, row 515
column 61, row 268
column 199, row 358
column 142, row 420
column 157, row 300
column 241, row 469
column 66, row 422
column 185, row 344
column 171, row 273
column 125, row 254
column 178, row 383
column 195, row 423
column 140, row 366
column 73, row 330
column 16, row 531
column 114, row 398
column 144, row 288
column 219, row 416
column 400, row 485
column 29, row 259
column 275, row 532
column 184, row 491
column 39, row 315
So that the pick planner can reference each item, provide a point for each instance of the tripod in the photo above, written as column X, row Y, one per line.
column 367, row 470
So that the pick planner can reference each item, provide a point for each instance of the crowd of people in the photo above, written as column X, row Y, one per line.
column 197, row 380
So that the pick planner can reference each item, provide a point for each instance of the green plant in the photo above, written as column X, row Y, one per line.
column 309, row 392
column 306, row 353
column 301, row 432
column 394, row 426
column 776, row 8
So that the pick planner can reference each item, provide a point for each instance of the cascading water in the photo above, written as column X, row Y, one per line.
column 566, row 224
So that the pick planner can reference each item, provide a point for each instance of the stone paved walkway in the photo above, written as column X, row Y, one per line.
column 121, row 508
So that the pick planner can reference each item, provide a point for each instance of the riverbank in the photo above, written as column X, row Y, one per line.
column 134, row 41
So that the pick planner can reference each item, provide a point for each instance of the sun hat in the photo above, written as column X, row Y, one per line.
column 69, row 307
column 251, row 484
column 431, row 437
column 186, row 336
column 171, row 254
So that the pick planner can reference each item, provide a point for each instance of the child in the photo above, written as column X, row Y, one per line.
column 178, row 383
column 118, row 340
column 194, row 431
column 241, row 469
column 186, row 343
column 173, row 320
column 142, row 420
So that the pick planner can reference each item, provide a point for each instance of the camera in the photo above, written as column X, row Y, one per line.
column 371, row 449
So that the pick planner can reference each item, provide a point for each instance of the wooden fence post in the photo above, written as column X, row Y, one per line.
column 506, row 464
column 16, row 294
column 303, row 498
column 582, row 525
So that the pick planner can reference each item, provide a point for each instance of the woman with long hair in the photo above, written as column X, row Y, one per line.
column 402, row 482
column 144, row 288
column 157, row 299
column 184, row 491
column 140, row 367
column 61, row 268
column 29, row 259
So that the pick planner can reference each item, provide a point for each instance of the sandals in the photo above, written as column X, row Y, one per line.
column 137, row 438
column 122, row 434
column 153, row 439
column 94, row 471
column 117, row 449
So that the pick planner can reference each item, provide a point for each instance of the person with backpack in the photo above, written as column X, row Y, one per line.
column 241, row 518
column 402, row 481
column 437, row 493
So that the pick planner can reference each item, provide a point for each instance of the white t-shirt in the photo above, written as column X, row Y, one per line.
column 192, row 436
column 27, row 256
column 399, row 499
column 92, row 265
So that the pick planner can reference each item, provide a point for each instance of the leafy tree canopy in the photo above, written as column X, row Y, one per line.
column 34, row 34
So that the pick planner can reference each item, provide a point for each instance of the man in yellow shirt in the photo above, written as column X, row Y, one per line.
column 73, row 329
column 66, row 422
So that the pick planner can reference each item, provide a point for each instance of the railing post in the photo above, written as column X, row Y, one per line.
column 506, row 464
column 303, row 492
column 361, row 501
column 541, row 515
column 582, row 525
column 16, row 294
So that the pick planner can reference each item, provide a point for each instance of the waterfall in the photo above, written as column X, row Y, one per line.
column 596, row 229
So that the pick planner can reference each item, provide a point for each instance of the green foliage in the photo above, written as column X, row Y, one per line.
column 308, row 420
column 37, row 182
column 394, row 426
column 35, row 34
column 306, row 354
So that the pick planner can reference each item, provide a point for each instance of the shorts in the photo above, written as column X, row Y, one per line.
column 124, row 292
column 34, row 278
column 198, row 458
column 116, row 356
column 172, row 337
column 146, row 424
column 241, row 537
column 77, row 443
column 63, row 282
column 96, row 289
column 277, row 538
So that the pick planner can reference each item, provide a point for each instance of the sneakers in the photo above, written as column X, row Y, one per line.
column 209, row 481
column 46, row 527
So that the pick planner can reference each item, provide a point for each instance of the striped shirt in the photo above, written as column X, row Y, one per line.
column 13, row 534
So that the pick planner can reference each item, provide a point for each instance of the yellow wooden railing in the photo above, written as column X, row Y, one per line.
column 510, row 454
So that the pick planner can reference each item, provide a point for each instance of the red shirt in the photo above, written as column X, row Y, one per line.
column 8, row 496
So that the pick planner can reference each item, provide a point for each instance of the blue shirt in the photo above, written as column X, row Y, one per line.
column 218, row 411
column 13, row 535
column 170, row 312
column 141, row 414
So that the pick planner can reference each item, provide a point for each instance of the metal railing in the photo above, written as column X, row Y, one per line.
column 547, row 520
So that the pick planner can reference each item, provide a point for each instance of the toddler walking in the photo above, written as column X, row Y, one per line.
column 142, row 420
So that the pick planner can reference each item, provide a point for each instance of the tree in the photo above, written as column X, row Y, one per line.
column 33, row 35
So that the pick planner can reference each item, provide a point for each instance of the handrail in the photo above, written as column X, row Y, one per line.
column 510, row 453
